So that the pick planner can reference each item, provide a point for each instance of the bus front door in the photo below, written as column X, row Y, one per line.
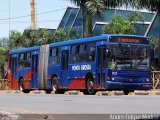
column 101, row 66
column 34, row 79
column 64, row 68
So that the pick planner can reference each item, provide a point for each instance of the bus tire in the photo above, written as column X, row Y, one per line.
column 90, row 86
column 126, row 92
column 55, row 84
column 21, row 84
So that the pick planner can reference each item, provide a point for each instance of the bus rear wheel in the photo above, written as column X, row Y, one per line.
column 126, row 92
column 90, row 86
column 21, row 84
column 55, row 84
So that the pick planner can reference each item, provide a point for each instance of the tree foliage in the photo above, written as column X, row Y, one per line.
column 3, row 55
column 31, row 38
column 63, row 35
column 95, row 7
column 123, row 25
column 153, row 41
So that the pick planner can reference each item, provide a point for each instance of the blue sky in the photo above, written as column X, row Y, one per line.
column 20, row 8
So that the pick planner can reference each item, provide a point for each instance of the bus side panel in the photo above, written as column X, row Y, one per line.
column 12, row 82
column 25, row 73
column 78, row 83
column 10, row 79
column 9, row 73
column 27, row 79
column 75, row 80
column 53, row 70
column 77, row 74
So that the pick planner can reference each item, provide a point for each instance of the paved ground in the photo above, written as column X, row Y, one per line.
column 73, row 104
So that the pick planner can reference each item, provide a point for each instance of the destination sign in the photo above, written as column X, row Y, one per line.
column 129, row 39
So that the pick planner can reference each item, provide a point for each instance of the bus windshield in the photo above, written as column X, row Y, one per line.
column 129, row 57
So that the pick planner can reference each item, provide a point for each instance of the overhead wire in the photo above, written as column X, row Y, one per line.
column 2, row 19
column 20, row 22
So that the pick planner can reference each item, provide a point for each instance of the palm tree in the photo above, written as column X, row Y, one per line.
column 97, row 8
column 94, row 8
column 81, row 4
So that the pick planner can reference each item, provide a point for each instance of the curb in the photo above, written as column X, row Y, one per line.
column 74, row 93
column 42, row 92
column 108, row 93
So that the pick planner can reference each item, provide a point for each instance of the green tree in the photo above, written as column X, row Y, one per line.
column 36, row 37
column 118, row 25
column 43, row 36
column 154, row 44
column 94, row 8
column 3, row 55
column 81, row 4
column 122, row 25
column 40, row 36
column 63, row 35
column 3, row 58
column 135, row 16
column 154, row 41
column 15, row 40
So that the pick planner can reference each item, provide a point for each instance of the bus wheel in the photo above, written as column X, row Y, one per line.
column 21, row 85
column 54, row 84
column 126, row 92
column 90, row 86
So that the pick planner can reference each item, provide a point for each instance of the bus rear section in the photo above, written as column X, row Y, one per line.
column 23, row 68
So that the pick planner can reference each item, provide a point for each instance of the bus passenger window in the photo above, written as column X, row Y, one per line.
column 73, row 58
column 21, row 64
column 21, row 60
column 54, row 56
column 24, row 60
column 91, row 50
column 28, row 59
column 13, row 64
column 82, row 52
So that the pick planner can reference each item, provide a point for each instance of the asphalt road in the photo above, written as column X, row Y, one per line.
column 73, row 104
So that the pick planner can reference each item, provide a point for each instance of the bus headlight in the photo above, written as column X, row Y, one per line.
column 147, row 80
column 113, row 79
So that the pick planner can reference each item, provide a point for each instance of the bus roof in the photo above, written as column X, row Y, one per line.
column 75, row 41
column 24, row 50
column 91, row 39
column 80, row 40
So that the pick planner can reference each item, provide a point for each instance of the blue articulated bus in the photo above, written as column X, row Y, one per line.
column 105, row 62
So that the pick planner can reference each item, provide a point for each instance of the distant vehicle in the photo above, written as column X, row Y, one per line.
column 106, row 62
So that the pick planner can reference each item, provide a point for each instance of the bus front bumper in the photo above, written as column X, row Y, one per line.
column 127, row 86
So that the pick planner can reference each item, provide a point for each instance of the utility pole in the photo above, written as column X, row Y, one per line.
column 33, row 17
column 9, row 21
